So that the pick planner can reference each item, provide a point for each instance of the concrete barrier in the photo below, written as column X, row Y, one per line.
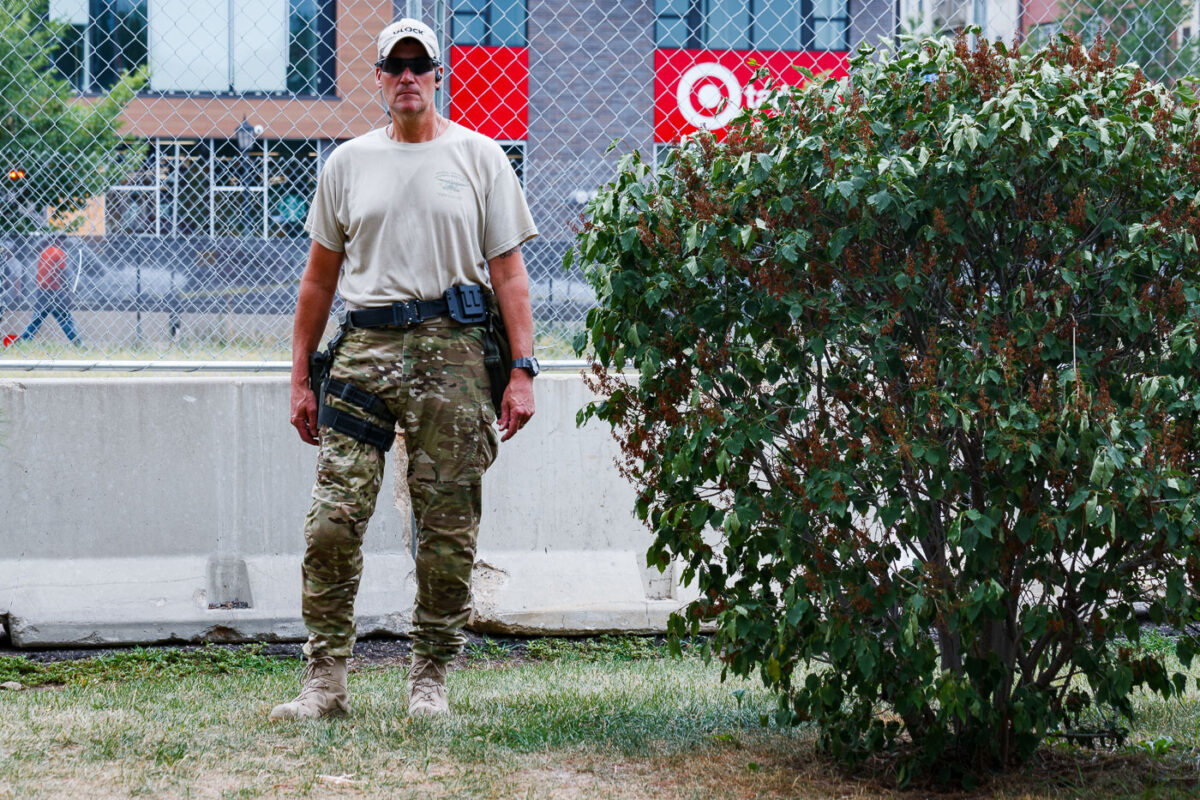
column 171, row 509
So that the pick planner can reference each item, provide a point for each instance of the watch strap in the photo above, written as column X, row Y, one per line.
column 528, row 364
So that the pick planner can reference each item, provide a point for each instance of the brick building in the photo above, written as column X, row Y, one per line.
column 556, row 81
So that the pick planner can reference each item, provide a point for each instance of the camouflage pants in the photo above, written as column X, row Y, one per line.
column 433, row 380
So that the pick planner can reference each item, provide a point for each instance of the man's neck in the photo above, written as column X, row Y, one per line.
column 416, row 128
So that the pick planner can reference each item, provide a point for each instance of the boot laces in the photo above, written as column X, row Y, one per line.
column 313, row 682
column 428, row 681
column 426, row 691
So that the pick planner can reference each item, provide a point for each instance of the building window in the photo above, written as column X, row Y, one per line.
column 208, row 187
column 752, row 24
column 118, row 39
column 199, row 47
column 516, row 157
column 103, row 40
column 495, row 23
column 132, row 208
column 310, row 47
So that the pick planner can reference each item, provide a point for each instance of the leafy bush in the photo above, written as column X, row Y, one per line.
column 916, row 394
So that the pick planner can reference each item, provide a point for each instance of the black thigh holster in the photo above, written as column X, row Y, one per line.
column 320, row 365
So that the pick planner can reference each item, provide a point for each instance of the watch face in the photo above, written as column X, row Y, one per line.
column 530, row 365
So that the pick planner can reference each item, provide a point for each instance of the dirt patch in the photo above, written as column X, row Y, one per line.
column 729, row 770
column 765, row 768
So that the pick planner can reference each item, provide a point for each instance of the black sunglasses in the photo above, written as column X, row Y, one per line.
column 396, row 66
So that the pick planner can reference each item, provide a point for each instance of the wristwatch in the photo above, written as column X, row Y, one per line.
column 529, row 364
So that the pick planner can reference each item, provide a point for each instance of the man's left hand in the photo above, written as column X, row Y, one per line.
column 517, row 406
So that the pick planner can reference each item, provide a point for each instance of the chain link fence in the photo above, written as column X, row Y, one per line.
column 160, row 155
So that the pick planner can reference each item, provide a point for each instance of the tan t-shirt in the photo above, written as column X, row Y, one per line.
column 416, row 219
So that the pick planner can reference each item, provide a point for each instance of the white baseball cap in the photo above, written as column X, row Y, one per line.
column 409, row 28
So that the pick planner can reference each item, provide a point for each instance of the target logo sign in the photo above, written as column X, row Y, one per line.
column 707, row 89
column 709, row 96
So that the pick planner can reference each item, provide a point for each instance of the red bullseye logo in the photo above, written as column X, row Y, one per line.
column 714, row 86
column 709, row 95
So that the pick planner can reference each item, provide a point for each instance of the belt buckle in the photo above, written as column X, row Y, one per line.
column 406, row 314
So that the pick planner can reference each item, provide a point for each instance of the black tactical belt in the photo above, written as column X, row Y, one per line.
column 465, row 304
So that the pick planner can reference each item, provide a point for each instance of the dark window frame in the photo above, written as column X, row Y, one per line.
column 326, row 35
column 515, row 150
column 489, row 37
column 699, row 36
column 104, row 27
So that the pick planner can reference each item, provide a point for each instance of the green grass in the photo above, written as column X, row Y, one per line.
column 576, row 718
column 161, row 723
column 593, row 648
column 141, row 664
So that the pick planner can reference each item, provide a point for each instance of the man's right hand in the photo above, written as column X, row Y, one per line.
column 304, row 412
column 317, row 287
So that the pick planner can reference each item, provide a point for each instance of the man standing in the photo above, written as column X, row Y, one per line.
column 53, row 296
column 409, row 222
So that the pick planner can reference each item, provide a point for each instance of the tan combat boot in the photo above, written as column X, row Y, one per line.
column 427, row 688
column 324, row 693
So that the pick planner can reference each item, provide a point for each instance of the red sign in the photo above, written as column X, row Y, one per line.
column 490, row 90
column 707, row 89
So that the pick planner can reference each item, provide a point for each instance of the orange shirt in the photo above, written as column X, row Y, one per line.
column 52, row 262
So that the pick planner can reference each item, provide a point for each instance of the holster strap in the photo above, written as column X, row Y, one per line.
column 357, row 397
column 357, row 428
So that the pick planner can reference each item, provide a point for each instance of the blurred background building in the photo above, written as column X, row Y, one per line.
column 196, row 249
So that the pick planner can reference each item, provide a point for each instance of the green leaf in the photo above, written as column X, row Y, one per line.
column 1103, row 469
column 881, row 200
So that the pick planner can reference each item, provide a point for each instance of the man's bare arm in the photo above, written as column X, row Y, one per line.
column 317, row 287
column 510, row 282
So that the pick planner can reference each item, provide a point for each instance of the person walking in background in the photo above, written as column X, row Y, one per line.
column 53, row 295
column 10, row 287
